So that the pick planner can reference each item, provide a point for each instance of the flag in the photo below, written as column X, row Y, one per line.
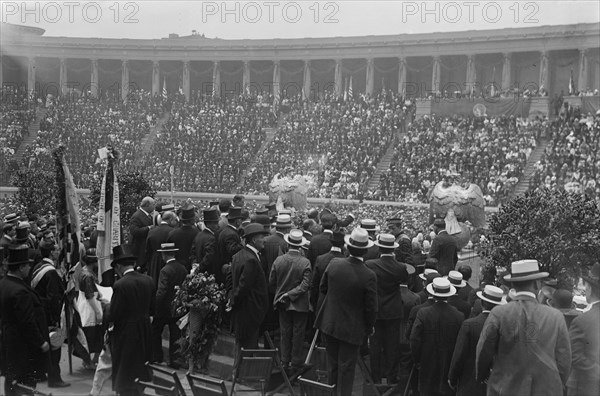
column 350, row 92
column 109, row 219
column 571, row 84
column 180, row 88
column 67, row 212
column 164, row 90
column 346, row 90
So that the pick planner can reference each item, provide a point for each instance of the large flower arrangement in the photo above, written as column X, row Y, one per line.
column 201, row 297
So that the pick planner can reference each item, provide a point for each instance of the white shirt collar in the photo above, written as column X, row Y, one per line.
column 147, row 214
column 326, row 231
column 358, row 258
column 485, row 311
column 255, row 250
column 386, row 254
column 336, row 249
column 128, row 271
column 171, row 259
column 208, row 229
column 526, row 293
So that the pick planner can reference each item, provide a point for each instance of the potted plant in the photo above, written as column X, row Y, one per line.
column 201, row 299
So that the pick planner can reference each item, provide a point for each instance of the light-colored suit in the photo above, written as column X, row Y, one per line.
column 526, row 347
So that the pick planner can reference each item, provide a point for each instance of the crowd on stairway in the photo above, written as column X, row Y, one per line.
column 491, row 152
column 572, row 157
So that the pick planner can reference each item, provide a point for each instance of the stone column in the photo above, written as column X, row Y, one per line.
column 155, row 77
column 62, row 76
column 339, row 89
column 471, row 74
column 31, row 76
column 402, row 75
column 370, row 77
column 216, row 79
column 124, row 79
column 306, row 81
column 186, row 80
column 543, row 70
column 435, row 75
column 94, row 81
column 506, row 68
column 276, row 81
column 246, row 78
column 583, row 70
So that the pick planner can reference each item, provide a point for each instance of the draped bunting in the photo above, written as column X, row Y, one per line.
column 590, row 104
column 233, row 72
column 276, row 83
column 78, row 69
column 385, row 71
column 292, row 71
column 338, row 77
column 327, row 69
column 116, row 70
column 267, row 69
column 141, row 70
column 494, row 107
column 208, row 69
column 347, row 70
column 418, row 69
column 402, row 76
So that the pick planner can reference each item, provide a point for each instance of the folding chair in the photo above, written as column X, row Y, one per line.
column 254, row 366
column 21, row 389
column 314, row 388
column 320, row 364
column 150, row 389
column 165, row 377
column 206, row 386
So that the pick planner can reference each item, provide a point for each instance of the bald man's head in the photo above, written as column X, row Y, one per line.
column 148, row 204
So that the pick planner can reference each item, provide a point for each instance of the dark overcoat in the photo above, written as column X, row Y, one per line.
column 205, row 252
column 130, row 309
column 316, row 297
column 229, row 242
column 319, row 244
column 156, row 237
column 23, row 329
column 349, row 308
column 138, row 232
column 432, row 342
column 171, row 275
column 183, row 238
column 250, row 294
column 445, row 250
column 585, row 341
column 390, row 274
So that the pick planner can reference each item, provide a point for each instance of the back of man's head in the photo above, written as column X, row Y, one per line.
column 224, row 205
column 328, row 220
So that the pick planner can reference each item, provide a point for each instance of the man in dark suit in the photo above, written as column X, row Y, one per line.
column 465, row 292
column 229, row 239
column 456, row 280
column 409, row 301
column 404, row 251
column 250, row 298
column 349, row 309
column 205, row 245
column 443, row 248
column 384, row 344
column 24, row 345
column 584, row 334
column 132, row 304
column 183, row 236
column 275, row 244
column 156, row 237
column 371, row 227
column 140, row 224
column 461, row 375
column 337, row 246
column 171, row 275
column 46, row 281
column 321, row 244
column 433, row 337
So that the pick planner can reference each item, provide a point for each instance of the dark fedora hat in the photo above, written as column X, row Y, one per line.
column 262, row 211
column 593, row 275
column 22, row 234
column 188, row 212
column 211, row 215
column 262, row 219
column 18, row 255
column 234, row 213
column 253, row 229
column 122, row 253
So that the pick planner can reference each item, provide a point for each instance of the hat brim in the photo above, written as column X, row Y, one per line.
column 394, row 246
column 15, row 263
column 122, row 259
column 168, row 250
column 369, row 244
column 436, row 294
column 539, row 275
column 482, row 297
column 287, row 239
column 264, row 232
column 462, row 283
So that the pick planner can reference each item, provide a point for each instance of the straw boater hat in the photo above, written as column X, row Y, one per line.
column 359, row 239
column 167, row 247
column 295, row 238
column 167, row 208
column 456, row 279
column 525, row 270
column 11, row 218
column 386, row 241
column 369, row 225
column 441, row 287
column 492, row 294
column 284, row 221
column 427, row 271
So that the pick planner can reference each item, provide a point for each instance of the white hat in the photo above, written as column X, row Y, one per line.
column 525, row 270
column 359, row 239
column 368, row 224
column 441, row 287
column 492, row 294
column 295, row 238
column 386, row 241
column 167, row 247
column 426, row 272
column 456, row 279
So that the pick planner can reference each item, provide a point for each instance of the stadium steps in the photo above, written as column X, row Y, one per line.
column 270, row 134
column 148, row 140
column 523, row 184
column 383, row 165
column 34, row 127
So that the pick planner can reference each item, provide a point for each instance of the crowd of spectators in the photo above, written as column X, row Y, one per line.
column 572, row 157
column 337, row 143
column 208, row 143
column 491, row 152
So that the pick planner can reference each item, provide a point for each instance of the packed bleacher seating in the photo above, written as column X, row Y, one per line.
column 209, row 143
column 572, row 157
column 338, row 143
column 490, row 152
